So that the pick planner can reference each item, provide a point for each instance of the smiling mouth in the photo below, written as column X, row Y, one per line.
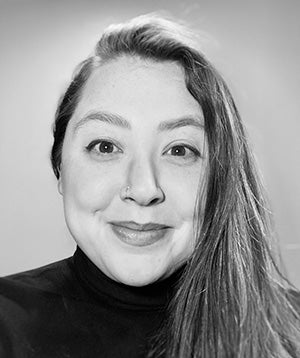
column 135, row 234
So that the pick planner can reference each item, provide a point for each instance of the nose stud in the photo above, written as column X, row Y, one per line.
column 125, row 192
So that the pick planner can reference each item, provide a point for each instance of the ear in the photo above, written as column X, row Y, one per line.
column 59, row 186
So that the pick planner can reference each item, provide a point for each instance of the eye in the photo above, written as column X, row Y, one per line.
column 184, row 152
column 178, row 150
column 103, row 147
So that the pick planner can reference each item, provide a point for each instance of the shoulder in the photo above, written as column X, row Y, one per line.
column 50, row 279
column 28, row 300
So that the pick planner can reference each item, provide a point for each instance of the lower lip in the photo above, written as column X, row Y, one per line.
column 138, row 238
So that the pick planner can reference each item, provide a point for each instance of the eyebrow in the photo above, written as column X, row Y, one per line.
column 119, row 121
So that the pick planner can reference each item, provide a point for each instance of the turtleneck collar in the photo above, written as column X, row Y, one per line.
column 152, row 296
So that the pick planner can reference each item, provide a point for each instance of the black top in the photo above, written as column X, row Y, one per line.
column 71, row 309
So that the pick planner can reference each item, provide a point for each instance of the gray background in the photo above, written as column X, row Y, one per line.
column 255, row 44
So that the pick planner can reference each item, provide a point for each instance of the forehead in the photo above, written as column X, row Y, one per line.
column 138, row 88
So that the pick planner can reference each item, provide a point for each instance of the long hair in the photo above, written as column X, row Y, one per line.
column 232, row 300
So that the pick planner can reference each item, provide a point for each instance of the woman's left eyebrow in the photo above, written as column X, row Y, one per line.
column 119, row 121
column 181, row 122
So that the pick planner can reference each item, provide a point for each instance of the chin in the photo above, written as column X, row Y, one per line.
column 138, row 277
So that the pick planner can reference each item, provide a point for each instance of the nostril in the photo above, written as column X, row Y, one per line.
column 160, row 197
column 154, row 201
column 142, row 196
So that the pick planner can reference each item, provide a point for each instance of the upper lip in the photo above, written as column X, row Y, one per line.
column 140, row 227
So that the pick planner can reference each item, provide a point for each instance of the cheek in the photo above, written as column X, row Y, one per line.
column 89, row 187
column 182, row 189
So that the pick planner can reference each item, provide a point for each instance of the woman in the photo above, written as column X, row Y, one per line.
column 161, row 195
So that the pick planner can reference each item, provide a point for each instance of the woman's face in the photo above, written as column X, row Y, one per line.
column 133, row 155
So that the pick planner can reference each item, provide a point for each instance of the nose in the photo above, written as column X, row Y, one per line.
column 142, row 186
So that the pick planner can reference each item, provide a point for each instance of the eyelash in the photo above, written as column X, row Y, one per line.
column 91, row 147
column 194, row 152
column 94, row 143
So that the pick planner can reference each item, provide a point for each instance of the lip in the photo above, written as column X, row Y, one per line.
column 140, row 235
column 139, row 227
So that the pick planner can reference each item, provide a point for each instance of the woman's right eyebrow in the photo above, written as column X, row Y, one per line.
column 103, row 116
column 119, row 121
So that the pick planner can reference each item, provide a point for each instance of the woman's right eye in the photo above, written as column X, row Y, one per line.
column 103, row 147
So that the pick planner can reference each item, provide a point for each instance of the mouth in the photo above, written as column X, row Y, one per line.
column 135, row 234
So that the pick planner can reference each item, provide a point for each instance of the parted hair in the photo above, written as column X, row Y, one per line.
column 232, row 300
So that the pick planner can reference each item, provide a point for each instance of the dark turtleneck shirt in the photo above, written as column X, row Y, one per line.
column 71, row 309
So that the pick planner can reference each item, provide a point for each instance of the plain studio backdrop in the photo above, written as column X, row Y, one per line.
column 254, row 44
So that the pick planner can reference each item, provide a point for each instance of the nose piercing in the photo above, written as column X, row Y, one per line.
column 125, row 192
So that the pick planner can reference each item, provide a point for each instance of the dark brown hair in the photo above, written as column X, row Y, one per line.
column 232, row 300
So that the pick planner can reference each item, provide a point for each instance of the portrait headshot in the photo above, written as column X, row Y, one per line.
column 150, row 179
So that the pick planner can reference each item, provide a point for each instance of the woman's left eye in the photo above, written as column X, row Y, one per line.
column 183, row 151
column 103, row 147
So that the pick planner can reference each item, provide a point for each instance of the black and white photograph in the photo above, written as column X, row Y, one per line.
column 150, row 179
